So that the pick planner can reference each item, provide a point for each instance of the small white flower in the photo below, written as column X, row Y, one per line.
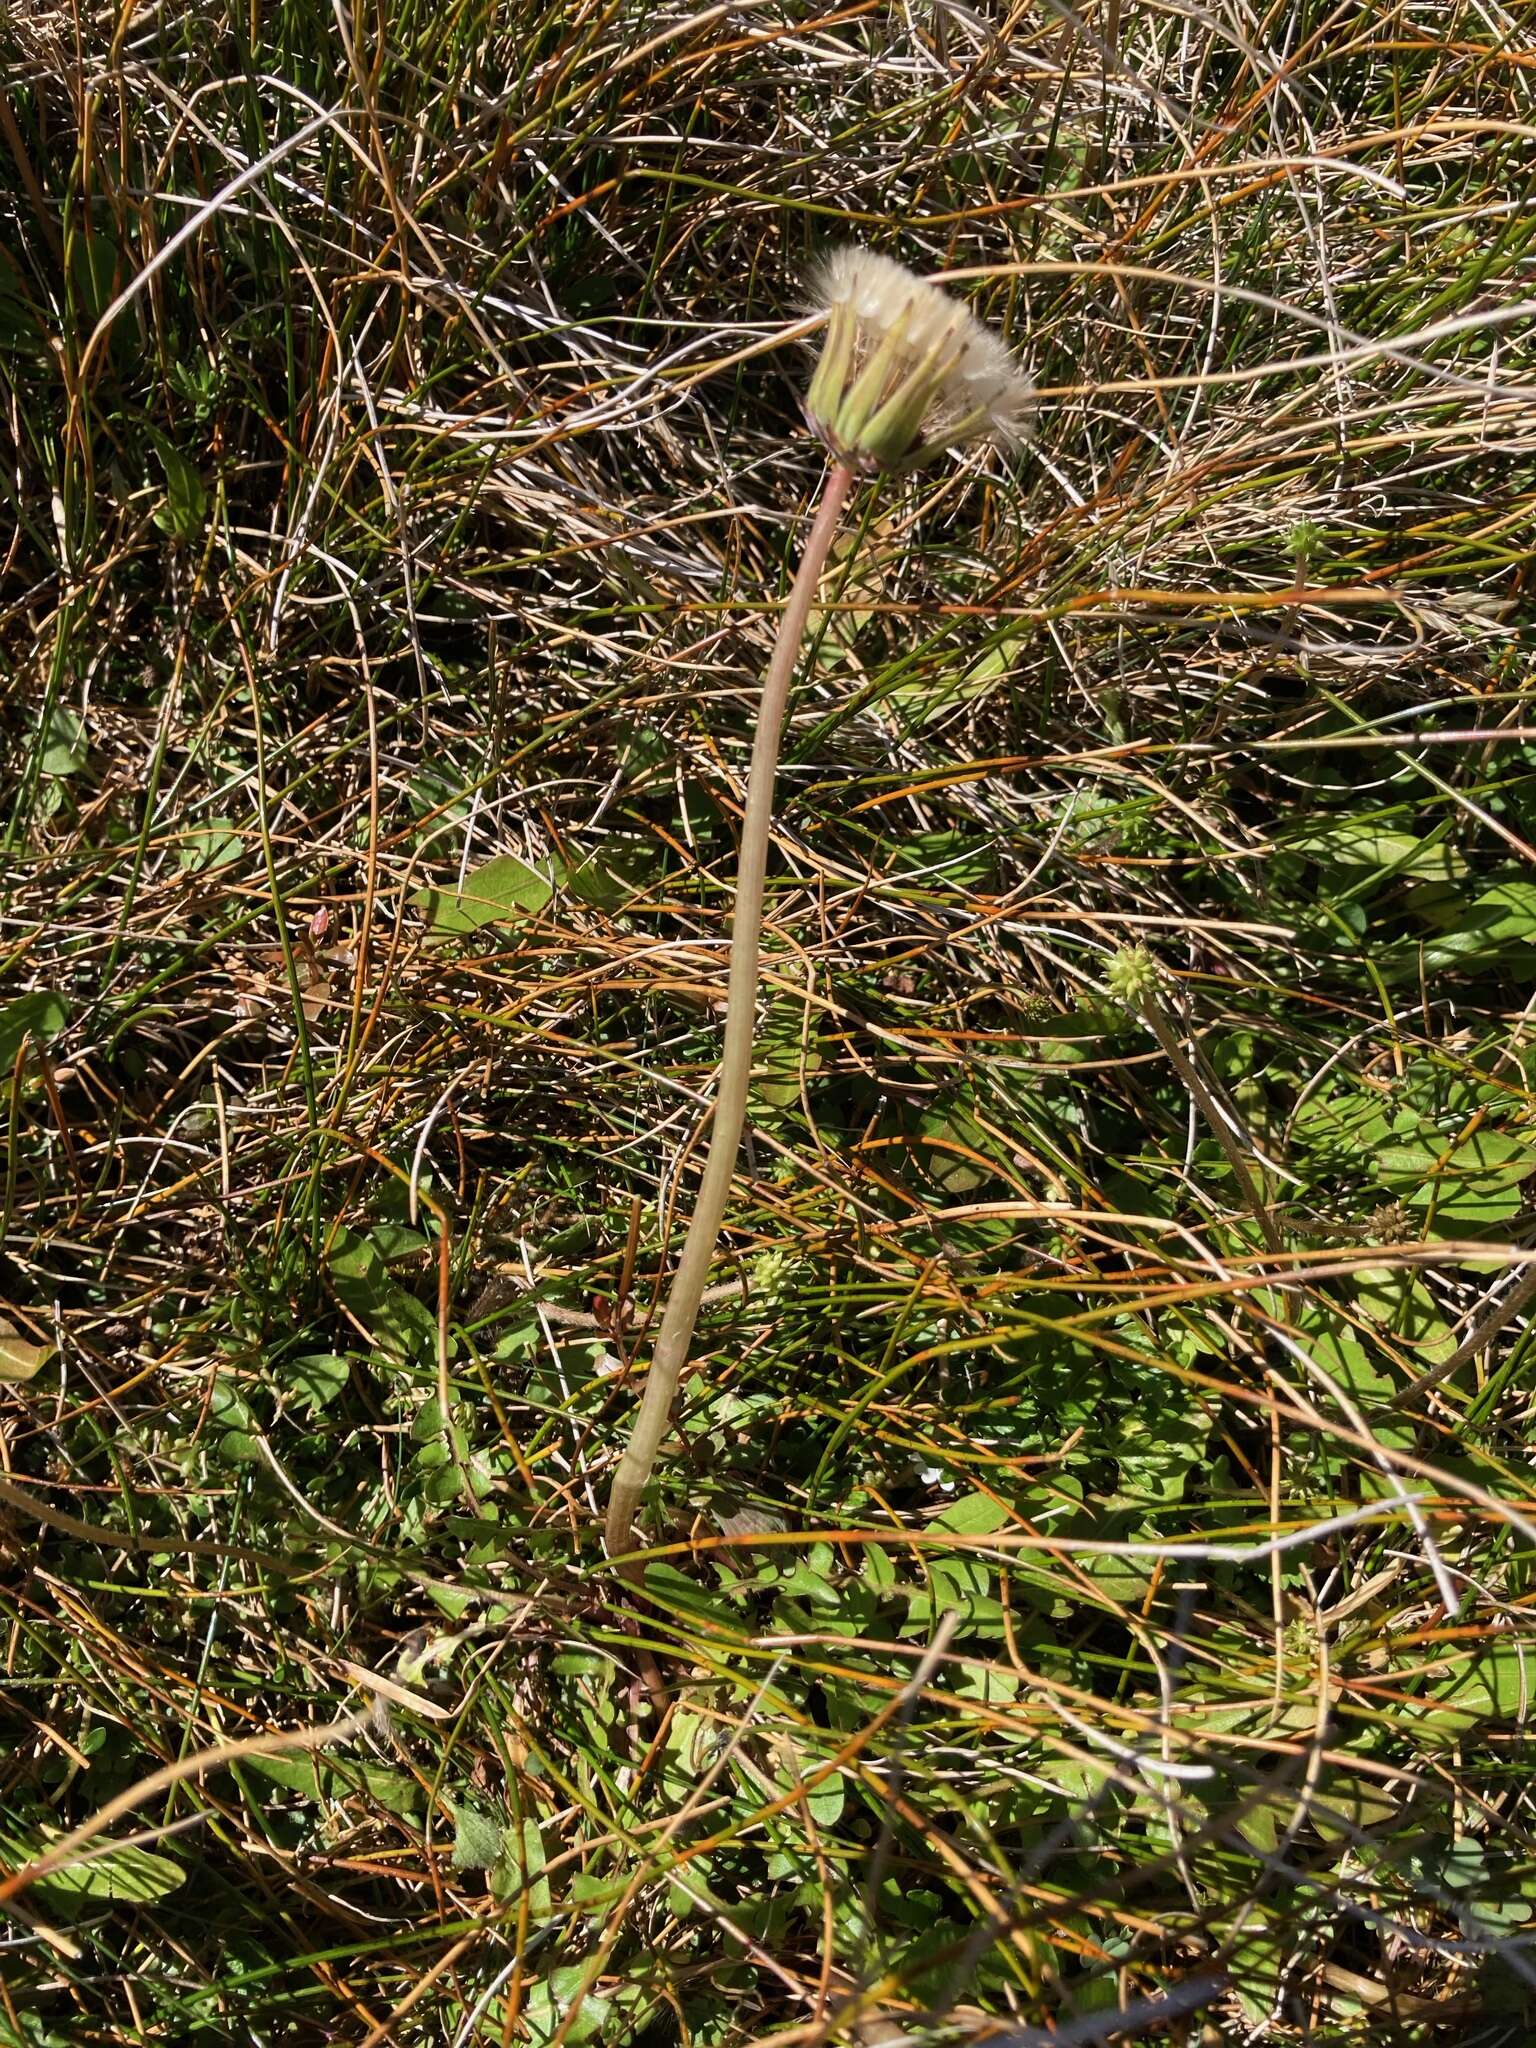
column 905, row 370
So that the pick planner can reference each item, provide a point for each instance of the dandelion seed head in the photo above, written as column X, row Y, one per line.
column 906, row 371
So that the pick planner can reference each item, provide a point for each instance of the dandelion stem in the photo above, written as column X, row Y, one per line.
column 671, row 1352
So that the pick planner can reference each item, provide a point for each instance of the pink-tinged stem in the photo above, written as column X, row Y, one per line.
column 676, row 1334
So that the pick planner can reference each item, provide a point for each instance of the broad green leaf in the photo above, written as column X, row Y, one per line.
column 1497, row 1682
column 503, row 891
column 677, row 1593
column 984, row 1681
column 185, row 506
column 944, row 860
column 923, row 692
column 608, row 2016
column 397, row 1241
column 1497, row 928
column 1335, row 1128
column 802, row 1581
column 214, row 845
column 948, row 1138
column 397, row 1322
column 94, row 269
column 878, row 1571
column 65, row 747
column 396, row 1791
column 127, row 1876
column 1258, row 1950
column 646, row 748
column 1475, row 1182
column 1157, row 1447
column 227, row 1405
column 1357, row 843
column 1350, row 1805
column 519, row 1867
column 1508, row 911
column 825, row 1799
column 476, row 1839
column 974, row 1514
column 966, row 1584
column 20, row 1358
column 1396, row 1298
column 690, row 1746
column 20, row 327
column 303, row 1774
column 40, row 1017
column 613, row 875
column 1342, row 1354
column 785, row 1050
column 316, row 1379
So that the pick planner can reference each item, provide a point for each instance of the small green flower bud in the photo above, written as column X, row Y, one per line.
column 1132, row 976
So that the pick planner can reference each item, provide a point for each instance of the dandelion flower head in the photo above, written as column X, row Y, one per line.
column 906, row 371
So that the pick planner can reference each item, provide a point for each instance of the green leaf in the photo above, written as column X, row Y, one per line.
column 1349, row 1806
column 949, row 1138
column 397, row 1322
column 1358, row 843
column 1496, row 929
column 185, row 506
column 20, row 1358
column 94, row 262
column 214, row 845
column 1508, row 911
column 396, row 1241
column 785, row 1050
column 825, row 1800
column 519, row 1866
column 1157, row 1448
column 65, row 747
column 20, row 327
column 945, row 860
column 677, row 1593
column 601, row 2017
column 503, row 891
column 646, row 748
column 974, row 1514
column 1476, row 1182
column 1495, row 1683
column 804, row 1582
column 1397, row 1299
column 878, row 1572
column 227, row 1405
column 396, row 1791
column 129, row 1876
column 39, row 1016
column 302, row 1774
column 615, row 874
column 1336, row 1127
column 1257, row 1949
column 476, row 1839
column 316, row 1379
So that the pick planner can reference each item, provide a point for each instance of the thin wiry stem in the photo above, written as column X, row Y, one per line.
column 671, row 1352
column 1187, row 1066
column 1483, row 1332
